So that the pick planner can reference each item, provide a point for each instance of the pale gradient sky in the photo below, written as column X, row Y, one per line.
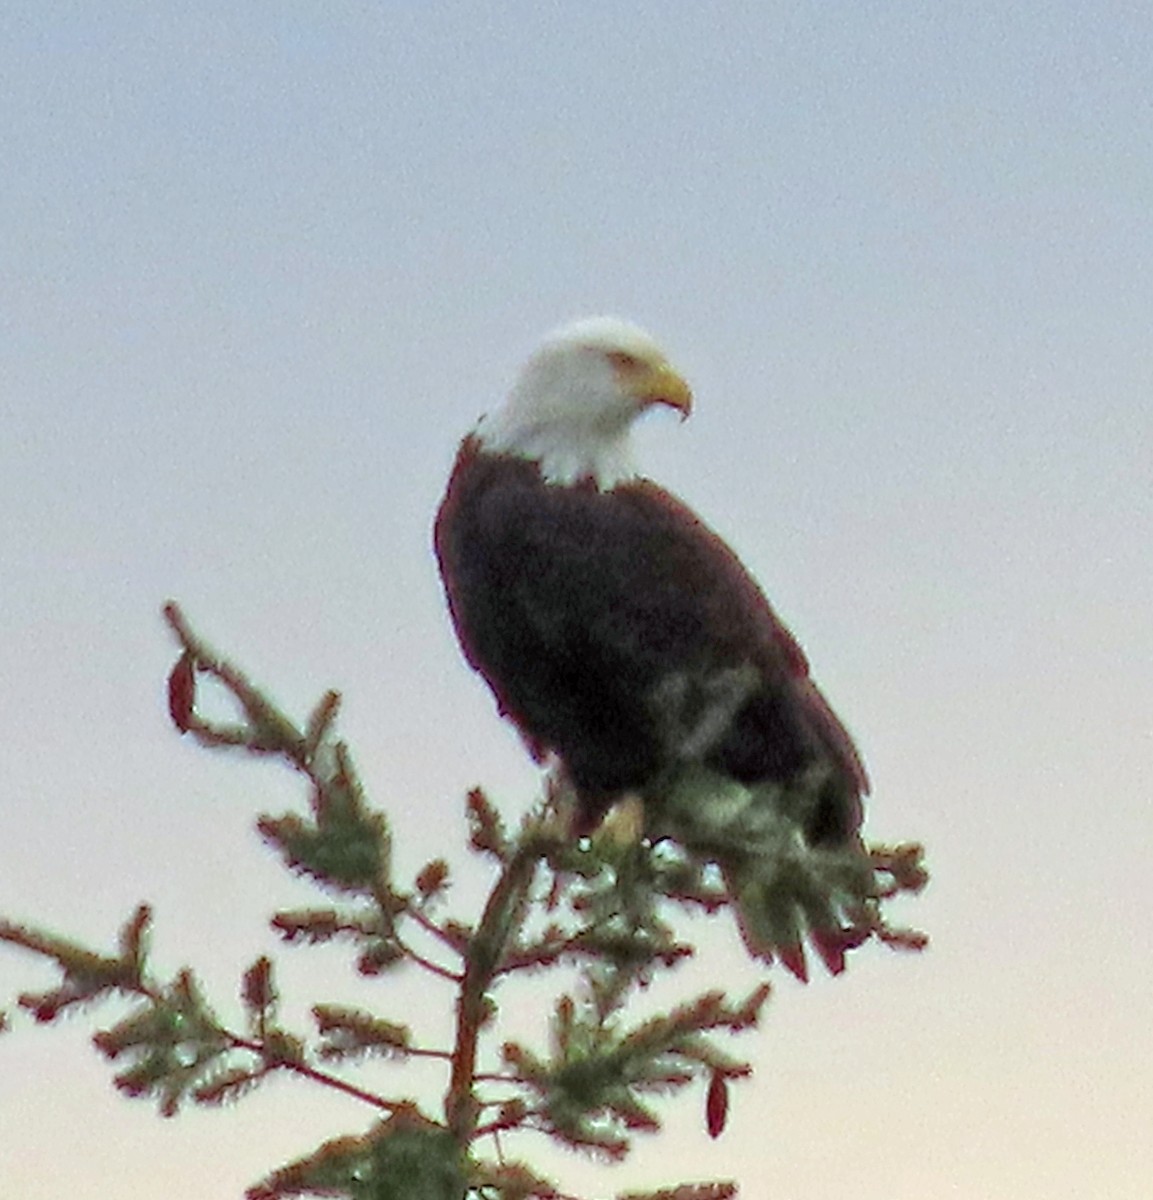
column 261, row 265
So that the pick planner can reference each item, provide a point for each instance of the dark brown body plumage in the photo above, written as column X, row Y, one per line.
column 607, row 624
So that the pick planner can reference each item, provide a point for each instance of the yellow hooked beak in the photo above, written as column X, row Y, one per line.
column 652, row 383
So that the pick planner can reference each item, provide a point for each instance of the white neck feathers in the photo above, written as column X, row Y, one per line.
column 567, row 413
column 565, row 455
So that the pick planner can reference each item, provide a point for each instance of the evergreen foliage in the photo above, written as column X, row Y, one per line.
column 602, row 907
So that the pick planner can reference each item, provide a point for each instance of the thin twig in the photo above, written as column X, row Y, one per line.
column 488, row 944
column 313, row 1073
column 434, row 968
column 431, row 927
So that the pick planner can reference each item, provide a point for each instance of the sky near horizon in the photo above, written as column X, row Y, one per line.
column 260, row 268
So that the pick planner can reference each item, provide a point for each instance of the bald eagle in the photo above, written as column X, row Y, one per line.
column 620, row 634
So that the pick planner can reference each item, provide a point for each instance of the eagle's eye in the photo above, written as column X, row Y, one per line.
column 623, row 361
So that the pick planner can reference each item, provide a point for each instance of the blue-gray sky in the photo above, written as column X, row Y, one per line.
column 260, row 267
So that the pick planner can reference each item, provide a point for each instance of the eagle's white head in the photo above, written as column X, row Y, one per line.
column 573, row 404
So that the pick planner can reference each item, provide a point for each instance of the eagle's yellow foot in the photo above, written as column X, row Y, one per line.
column 624, row 823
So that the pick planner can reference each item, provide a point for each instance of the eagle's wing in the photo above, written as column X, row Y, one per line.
column 587, row 611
